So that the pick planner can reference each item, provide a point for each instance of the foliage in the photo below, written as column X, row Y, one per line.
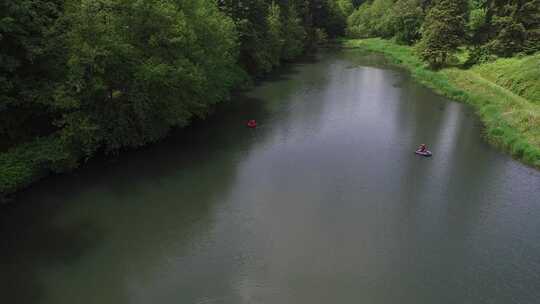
column 333, row 18
column 25, row 27
column 516, row 25
column 346, row 7
column 477, row 19
column 251, row 24
column 479, row 54
column 275, row 34
column 358, row 23
column 489, row 28
column 27, row 163
column 443, row 31
column 294, row 34
column 371, row 19
column 147, row 66
column 406, row 18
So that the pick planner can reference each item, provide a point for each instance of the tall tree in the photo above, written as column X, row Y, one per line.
column 516, row 26
column 406, row 17
column 26, row 68
column 443, row 31
column 372, row 19
column 138, row 68
column 274, row 38
column 252, row 27
column 293, row 32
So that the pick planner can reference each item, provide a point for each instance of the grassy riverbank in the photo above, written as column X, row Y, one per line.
column 521, row 75
column 512, row 122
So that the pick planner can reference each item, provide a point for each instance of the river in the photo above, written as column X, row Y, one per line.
column 324, row 202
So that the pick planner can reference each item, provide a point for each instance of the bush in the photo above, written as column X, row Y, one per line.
column 443, row 31
column 406, row 19
column 371, row 20
column 23, row 165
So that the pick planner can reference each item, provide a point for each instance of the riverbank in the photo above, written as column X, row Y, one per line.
column 512, row 122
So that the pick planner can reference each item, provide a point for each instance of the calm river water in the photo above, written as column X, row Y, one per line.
column 325, row 202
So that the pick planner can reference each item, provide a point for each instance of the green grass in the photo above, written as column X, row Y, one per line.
column 519, row 75
column 500, row 94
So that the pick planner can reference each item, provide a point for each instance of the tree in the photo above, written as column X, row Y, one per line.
column 516, row 27
column 252, row 28
column 359, row 22
column 346, row 7
column 27, row 68
column 294, row 34
column 334, row 18
column 138, row 68
column 372, row 19
column 443, row 31
column 275, row 34
column 406, row 19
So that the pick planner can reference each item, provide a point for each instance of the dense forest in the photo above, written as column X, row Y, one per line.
column 438, row 28
column 84, row 76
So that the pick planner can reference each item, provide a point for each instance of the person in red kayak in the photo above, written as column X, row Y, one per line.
column 422, row 148
column 252, row 123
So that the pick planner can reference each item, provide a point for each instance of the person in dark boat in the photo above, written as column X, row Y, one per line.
column 422, row 150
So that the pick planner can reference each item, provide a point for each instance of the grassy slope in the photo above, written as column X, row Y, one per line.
column 519, row 75
column 512, row 122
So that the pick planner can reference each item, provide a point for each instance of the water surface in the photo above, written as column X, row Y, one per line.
column 325, row 202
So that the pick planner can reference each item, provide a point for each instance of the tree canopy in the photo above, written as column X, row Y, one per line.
column 80, row 76
column 488, row 27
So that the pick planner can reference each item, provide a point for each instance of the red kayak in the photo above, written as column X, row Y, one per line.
column 252, row 124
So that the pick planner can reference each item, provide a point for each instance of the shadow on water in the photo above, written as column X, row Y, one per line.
column 43, row 230
column 29, row 245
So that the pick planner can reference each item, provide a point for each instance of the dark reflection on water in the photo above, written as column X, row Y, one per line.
column 323, row 203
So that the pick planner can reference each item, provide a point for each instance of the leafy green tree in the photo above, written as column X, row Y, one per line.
column 530, row 17
column 136, row 69
column 443, row 31
column 406, row 18
column 26, row 69
column 275, row 38
column 477, row 16
column 381, row 12
column 372, row 19
column 335, row 20
column 516, row 26
column 359, row 23
column 357, row 3
column 250, row 19
column 294, row 34
column 346, row 7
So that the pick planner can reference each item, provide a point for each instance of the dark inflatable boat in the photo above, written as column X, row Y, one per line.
column 424, row 153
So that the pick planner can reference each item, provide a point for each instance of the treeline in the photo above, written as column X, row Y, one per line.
column 489, row 28
column 82, row 76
